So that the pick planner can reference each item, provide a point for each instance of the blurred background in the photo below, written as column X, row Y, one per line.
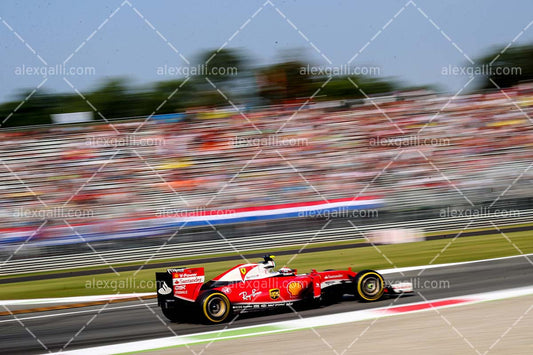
column 205, row 149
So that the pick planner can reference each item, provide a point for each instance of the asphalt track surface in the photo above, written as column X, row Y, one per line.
column 131, row 321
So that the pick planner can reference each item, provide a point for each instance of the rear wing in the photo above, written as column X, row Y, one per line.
column 183, row 283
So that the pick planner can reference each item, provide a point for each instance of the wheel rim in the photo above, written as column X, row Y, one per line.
column 217, row 307
column 371, row 286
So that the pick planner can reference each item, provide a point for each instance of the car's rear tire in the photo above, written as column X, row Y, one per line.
column 215, row 307
column 369, row 285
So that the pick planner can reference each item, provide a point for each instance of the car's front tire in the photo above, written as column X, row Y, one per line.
column 215, row 307
column 369, row 285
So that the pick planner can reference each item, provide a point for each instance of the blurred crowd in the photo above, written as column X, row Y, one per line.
column 414, row 149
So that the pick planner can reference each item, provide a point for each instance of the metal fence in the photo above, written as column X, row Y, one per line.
column 162, row 249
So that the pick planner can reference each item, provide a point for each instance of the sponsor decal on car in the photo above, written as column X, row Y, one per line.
column 188, row 280
column 243, row 271
column 294, row 288
column 336, row 276
column 226, row 290
column 249, row 296
column 173, row 271
column 164, row 290
column 260, row 306
column 274, row 293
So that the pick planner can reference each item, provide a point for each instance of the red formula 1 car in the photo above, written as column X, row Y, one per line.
column 182, row 293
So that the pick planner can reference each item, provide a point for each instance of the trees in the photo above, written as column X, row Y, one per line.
column 506, row 69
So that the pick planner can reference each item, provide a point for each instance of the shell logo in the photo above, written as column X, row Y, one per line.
column 294, row 288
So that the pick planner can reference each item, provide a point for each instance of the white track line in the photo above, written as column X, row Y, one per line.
column 435, row 266
column 77, row 312
column 304, row 323
column 66, row 300
column 77, row 299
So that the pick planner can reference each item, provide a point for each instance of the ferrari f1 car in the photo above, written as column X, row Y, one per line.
column 183, row 293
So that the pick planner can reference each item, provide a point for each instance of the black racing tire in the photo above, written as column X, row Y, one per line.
column 369, row 285
column 215, row 307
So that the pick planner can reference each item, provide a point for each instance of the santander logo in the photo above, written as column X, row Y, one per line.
column 164, row 290
column 188, row 280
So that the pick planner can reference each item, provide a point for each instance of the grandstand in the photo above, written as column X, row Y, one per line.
column 417, row 152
